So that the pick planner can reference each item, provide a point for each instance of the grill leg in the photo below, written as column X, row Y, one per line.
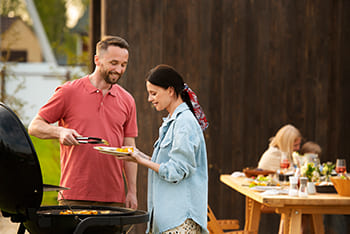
column 21, row 229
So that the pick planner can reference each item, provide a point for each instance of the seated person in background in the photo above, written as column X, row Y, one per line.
column 308, row 147
column 311, row 147
column 286, row 140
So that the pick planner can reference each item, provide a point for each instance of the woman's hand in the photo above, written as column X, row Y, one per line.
column 135, row 156
column 138, row 157
column 137, row 153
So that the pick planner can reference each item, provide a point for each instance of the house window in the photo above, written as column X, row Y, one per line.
column 14, row 56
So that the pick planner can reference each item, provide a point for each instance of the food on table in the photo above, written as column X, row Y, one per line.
column 323, row 183
column 249, row 172
column 261, row 180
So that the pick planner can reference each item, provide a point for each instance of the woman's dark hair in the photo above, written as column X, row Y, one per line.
column 166, row 76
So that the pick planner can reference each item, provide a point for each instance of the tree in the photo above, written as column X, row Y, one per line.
column 54, row 19
column 12, row 7
column 53, row 15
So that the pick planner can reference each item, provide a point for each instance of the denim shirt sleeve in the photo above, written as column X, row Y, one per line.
column 181, row 142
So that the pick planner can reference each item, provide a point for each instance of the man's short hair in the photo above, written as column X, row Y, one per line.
column 107, row 41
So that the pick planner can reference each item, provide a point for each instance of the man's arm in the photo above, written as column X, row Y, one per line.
column 131, row 177
column 40, row 128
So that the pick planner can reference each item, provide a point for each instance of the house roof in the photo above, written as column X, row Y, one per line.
column 6, row 22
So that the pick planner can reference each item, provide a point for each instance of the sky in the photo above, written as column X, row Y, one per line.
column 74, row 12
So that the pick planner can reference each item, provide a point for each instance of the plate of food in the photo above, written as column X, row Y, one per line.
column 263, row 181
column 116, row 151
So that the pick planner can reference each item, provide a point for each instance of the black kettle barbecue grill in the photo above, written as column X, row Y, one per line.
column 21, row 191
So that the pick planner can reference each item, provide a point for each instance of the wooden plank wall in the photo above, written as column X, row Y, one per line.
column 255, row 64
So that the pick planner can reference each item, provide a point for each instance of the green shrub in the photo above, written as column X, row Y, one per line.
column 48, row 152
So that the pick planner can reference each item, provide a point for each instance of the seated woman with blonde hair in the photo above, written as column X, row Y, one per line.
column 286, row 140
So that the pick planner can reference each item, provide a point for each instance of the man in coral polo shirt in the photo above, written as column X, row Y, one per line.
column 97, row 106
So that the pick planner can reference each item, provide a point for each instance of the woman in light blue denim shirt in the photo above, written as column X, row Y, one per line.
column 178, row 175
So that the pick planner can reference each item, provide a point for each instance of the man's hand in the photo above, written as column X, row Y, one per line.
column 67, row 136
column 40, row 128
column 131, row 201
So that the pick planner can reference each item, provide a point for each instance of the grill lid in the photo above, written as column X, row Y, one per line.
column 20, row 175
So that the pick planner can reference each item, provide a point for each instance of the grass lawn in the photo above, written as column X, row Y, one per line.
column 48, row 152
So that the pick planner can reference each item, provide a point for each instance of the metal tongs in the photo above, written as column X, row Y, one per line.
column 91, row 140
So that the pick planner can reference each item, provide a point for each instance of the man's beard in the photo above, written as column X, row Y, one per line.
column 106, row 76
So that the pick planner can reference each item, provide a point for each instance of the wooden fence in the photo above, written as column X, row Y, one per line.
column 255, row 64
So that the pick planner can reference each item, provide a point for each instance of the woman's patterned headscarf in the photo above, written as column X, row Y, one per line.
column 199, row 113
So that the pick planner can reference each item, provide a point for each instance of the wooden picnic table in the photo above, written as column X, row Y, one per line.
column 290, row 208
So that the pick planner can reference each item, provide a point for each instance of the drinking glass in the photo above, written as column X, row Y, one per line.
column 340, row 166
column 284, row 162
column 284, row 165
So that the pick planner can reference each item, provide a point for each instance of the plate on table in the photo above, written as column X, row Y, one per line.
column 270, row 190
column 116, row 151
column 265, row 188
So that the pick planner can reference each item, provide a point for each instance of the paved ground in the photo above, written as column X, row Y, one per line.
column 7, row 227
